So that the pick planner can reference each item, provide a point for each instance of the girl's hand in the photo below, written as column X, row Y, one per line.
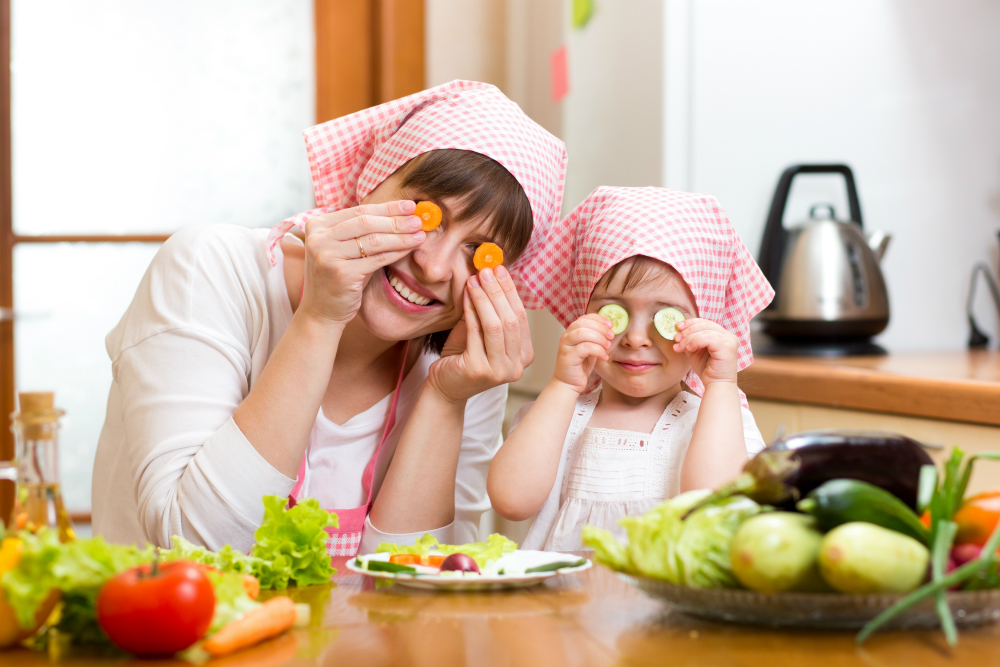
column 711, row 349
column 490, row 346
column 581, row 345
column 336, row 273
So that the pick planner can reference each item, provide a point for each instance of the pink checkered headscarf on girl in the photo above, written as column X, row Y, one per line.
column 350, row 156
column 690, row 232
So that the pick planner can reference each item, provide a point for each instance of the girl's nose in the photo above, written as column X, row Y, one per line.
column 637, row 334
column 435, row 258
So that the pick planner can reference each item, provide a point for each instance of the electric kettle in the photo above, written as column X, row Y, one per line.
column 830, row 296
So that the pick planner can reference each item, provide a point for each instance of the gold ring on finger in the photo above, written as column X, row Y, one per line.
column 361, row 247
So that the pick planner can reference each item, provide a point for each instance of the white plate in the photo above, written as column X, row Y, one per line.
column 473, row 582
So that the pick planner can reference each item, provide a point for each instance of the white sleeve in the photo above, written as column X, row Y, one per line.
column 182, row 360
column 481, row 438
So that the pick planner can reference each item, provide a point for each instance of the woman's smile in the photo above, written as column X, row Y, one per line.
column 405, row 293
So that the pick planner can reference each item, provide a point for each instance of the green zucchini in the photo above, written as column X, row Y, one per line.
column 842, row 501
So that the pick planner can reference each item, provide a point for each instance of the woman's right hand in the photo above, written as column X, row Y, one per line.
column 335, row 271
column 581, row 345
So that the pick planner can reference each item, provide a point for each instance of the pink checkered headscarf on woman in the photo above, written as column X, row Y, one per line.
column 350, row 156
column 690, row 232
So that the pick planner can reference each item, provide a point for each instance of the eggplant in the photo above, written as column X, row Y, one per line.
column 792, row 467
column 887, row 460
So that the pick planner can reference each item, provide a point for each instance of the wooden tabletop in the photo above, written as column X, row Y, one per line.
column 588, row 619
column 958, row 386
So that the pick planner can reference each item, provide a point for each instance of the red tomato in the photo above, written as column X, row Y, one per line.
column 157, row 611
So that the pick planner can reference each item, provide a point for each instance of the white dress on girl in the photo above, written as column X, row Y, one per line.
column 605, row 474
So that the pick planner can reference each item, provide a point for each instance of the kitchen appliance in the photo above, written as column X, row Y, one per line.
column 830, row 296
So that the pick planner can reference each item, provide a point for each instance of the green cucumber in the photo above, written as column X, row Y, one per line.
column 841, row 501
column 385, row 566
column 617, row 315
column 666, row 321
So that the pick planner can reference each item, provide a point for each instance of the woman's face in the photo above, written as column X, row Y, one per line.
column 422, row 293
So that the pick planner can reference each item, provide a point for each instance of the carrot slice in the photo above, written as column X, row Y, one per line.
column 268, row 620
column 488, row 255
column 430, row 213
column 432, row 560
column 405, row 559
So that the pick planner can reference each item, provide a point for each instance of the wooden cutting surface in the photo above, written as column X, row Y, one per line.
column 592, row 618
column 957, row 386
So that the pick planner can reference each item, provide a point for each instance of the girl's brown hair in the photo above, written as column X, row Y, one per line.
column 480, row 185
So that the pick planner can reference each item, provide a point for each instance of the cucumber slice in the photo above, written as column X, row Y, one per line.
column 617, row 315
column 666, row 321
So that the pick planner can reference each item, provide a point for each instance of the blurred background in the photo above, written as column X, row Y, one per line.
column 130, row 119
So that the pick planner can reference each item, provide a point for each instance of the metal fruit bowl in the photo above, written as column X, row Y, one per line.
column 832, row 611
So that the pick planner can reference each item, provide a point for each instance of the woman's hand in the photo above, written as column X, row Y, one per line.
column 581, row 345
column 335, row 272
column 490, row 346
column 711, row 349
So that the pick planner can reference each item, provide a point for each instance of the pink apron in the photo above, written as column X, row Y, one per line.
column 345, row 540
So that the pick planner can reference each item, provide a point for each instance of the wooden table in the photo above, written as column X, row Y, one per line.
column 589, row 619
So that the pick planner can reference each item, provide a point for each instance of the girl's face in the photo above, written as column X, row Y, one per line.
column 642, row 362
column 422, row 293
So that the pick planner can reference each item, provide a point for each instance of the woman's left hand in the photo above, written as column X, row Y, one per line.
column 711, row 349
column 490, row 346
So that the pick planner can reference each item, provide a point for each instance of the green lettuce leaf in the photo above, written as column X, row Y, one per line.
column 293, row 543
column 607, row 549
column 691, row 552
column 493, row 548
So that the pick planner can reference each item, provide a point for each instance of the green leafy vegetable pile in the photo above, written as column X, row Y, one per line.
column 663, row 544
column 482, row 552
column 290, row 551
column 290, row 548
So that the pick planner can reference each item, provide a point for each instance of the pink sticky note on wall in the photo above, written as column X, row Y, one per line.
column 559, row 74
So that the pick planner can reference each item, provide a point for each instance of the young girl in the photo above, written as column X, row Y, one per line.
column 577, row 457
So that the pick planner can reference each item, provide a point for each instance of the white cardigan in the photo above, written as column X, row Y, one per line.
column 171, row 460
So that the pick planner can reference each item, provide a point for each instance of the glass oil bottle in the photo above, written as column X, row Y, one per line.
column 38, row 500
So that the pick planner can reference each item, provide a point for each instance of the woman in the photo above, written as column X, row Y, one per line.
column 365, row 367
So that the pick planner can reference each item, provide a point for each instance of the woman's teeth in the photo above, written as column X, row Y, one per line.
column 405, row 292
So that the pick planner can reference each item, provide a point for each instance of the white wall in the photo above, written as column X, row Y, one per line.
column 907, row 92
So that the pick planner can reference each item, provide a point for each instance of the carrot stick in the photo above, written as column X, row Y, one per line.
column 268, row 620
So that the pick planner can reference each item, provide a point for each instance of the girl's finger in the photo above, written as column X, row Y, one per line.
column 699, row 340
column 586, row 350
column 510, row 322
column 492, row 327
column 404, row 208
column 581, row 335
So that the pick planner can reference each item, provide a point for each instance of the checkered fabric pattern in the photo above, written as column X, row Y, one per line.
column 350, row 156
column 688, row 231
column 343, row 544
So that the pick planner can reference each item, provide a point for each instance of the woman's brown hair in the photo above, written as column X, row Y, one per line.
column 480, row 185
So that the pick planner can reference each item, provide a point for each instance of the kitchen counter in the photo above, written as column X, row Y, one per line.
column 954, row 386
column 592, row 618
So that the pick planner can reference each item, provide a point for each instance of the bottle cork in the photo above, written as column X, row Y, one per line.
column 38, row 415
